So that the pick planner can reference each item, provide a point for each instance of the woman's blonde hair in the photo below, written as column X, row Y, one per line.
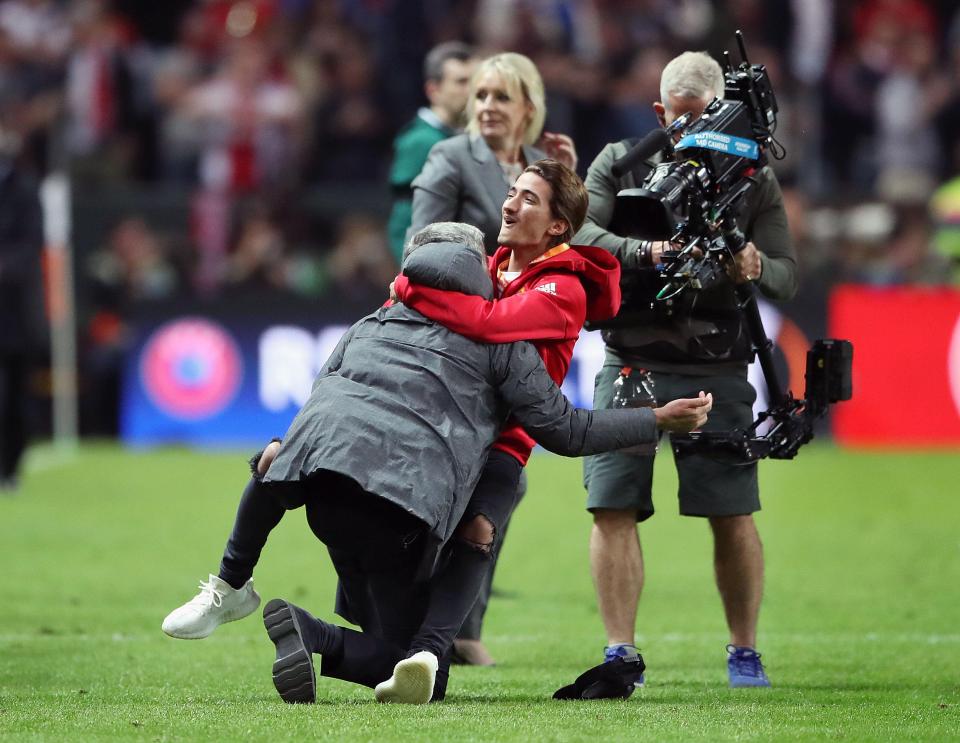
column 521, row 77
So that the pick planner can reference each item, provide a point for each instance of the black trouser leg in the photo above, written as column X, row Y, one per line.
column 453, row 591
column 369, row 660
column 472, row 626
column 13, row 420
column 460, row 591
column 443, row 676
column 375, row 547
column 258, row 514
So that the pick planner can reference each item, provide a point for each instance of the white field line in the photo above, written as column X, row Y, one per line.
column 902, row 638
column 905, row 638
column 11, row 637
column 48, row 457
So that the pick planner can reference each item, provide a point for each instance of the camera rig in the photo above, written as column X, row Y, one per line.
column 693, row 199
column 828, row 380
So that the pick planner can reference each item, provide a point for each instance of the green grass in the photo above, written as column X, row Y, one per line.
column 860, row 626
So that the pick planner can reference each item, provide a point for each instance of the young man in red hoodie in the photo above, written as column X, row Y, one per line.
column 546, row 289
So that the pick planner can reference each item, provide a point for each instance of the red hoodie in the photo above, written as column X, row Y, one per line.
column 546, row 304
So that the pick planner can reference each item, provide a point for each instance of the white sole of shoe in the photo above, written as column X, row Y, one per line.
column 412, row 681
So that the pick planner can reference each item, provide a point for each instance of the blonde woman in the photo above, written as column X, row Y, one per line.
column 466, row 177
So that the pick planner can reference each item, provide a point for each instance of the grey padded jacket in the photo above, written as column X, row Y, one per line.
column 409, row 409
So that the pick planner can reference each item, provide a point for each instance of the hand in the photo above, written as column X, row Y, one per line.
column 746, row 265
column 393, row 291
column 560, row 147
column 657, row 249
column 684, row 415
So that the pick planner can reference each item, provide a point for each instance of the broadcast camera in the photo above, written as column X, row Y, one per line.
column 693, row 199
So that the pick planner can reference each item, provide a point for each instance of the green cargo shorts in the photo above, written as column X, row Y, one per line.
column 706, row 487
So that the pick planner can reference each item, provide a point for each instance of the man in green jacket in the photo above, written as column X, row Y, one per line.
column 446, row 71
column 703, row 346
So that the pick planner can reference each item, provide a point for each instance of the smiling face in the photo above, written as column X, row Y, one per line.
column 501, row 114
column 527, row 217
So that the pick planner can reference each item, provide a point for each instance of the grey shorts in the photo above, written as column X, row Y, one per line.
column 706, row 487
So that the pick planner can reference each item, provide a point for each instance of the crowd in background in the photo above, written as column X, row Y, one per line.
column 244, row 108
column 254, row 101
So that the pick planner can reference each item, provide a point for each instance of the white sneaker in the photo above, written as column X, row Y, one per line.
column 412, row 680
column 218, row 602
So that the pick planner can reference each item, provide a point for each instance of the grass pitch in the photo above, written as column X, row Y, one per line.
column 860, row 627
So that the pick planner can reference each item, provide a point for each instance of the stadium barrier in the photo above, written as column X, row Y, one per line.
column 906, row 365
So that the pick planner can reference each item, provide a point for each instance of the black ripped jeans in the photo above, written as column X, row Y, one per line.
column 455, row 588
column 376, row 548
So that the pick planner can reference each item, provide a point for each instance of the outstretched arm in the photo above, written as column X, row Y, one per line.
column 553, row 309
column 539, row 405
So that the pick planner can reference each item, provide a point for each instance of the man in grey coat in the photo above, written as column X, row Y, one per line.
column 385, row 455
column 422, row 405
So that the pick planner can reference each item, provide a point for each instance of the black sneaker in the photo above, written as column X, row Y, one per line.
column 612, row 679
column 293, row 673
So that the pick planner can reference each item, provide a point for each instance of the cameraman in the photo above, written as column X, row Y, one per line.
column 704, row 345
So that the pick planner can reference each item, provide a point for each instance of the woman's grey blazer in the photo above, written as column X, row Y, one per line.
column 462, row 182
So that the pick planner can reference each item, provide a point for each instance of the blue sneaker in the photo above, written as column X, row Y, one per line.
column 628, row 653
column 744, row 668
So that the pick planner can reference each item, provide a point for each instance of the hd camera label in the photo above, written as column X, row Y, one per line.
column 736, row 146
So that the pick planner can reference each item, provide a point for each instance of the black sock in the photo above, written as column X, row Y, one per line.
column 234, row 583
column 333, row 643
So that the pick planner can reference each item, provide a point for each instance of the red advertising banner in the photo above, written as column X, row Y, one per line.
column 906, row 365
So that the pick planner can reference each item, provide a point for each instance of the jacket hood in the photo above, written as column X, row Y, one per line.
column 451, row 267
column 598, row 270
